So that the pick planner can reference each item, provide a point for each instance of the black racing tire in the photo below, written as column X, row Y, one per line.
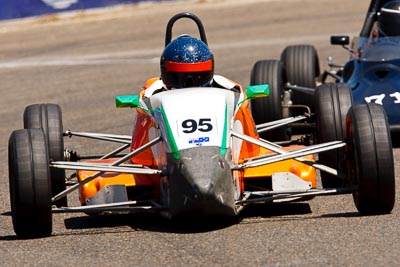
column 301, row 64
column 29, row 181
column 269, row 108
column 370, row 163
column 49, row 118
column 332, row 102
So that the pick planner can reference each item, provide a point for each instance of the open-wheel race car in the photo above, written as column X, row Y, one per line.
column 371, row 73
column 197, row 152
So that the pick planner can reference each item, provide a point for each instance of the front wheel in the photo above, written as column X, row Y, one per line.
column 332, row 102
column 370, row 159
column 48, row 117
column 30, row 191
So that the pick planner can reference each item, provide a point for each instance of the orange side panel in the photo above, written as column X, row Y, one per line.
column 305, row 172
column 140, row 137
column 249, row 128
column 109, row 178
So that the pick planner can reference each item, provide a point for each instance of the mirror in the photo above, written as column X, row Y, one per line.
column 340, row 40
column 127, row 101
column 255, row 91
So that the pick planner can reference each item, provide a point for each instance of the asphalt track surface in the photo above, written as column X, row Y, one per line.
column 81, row 61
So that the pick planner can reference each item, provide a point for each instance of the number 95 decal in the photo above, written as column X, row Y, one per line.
column 202, row 125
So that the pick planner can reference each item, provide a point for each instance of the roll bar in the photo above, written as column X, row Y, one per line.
column 168, row 33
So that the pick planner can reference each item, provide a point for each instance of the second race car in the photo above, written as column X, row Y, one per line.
column 371, row 73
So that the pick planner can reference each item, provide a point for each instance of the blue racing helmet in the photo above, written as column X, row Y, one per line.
column 187, row 62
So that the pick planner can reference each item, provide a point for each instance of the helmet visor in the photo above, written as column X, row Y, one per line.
column 181, row 75
column 189, row 79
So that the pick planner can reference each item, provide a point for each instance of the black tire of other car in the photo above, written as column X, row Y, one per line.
column 332, row 102
column 301, row 64
column 49, row 118
column 30, row 189
column 269, row 108
column 370, row 163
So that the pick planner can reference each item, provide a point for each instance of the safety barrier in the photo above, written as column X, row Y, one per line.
column 12, row 9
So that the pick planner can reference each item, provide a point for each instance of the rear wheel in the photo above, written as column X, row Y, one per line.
column 30, row 190
column 332, row 102
column 48, row 117
column 301, row 64
column 269, row 108
column 370, row 163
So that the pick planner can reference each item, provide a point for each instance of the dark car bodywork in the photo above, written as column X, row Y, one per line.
column 373, row 71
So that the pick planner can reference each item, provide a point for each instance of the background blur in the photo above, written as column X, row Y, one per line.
column 13, row 9
column 83, row 59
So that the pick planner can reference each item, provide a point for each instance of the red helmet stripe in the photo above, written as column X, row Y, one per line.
column 188, row 67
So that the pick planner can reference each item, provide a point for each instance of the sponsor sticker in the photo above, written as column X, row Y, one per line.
column 199, row 141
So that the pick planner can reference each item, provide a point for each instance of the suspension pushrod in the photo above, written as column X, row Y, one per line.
column 117, row 150
column 277, row 125
column 281, row 121
column 124, row 139
column 97, row 174
column 277, row 149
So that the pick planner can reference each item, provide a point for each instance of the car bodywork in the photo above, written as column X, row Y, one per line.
column 204, row 158
column 374, row 67
column 371, row 72
column 197, row 152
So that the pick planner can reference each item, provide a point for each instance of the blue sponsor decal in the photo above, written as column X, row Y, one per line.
column 12, row 9
column 60, row 4
column 199, row 140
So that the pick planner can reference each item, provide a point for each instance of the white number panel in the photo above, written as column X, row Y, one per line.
column 201, row 125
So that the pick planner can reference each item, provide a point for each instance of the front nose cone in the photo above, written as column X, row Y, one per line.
column 201, row 183
column 204, row 187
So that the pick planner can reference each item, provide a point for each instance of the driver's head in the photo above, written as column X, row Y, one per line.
column 389, row 19
column 187, row 62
